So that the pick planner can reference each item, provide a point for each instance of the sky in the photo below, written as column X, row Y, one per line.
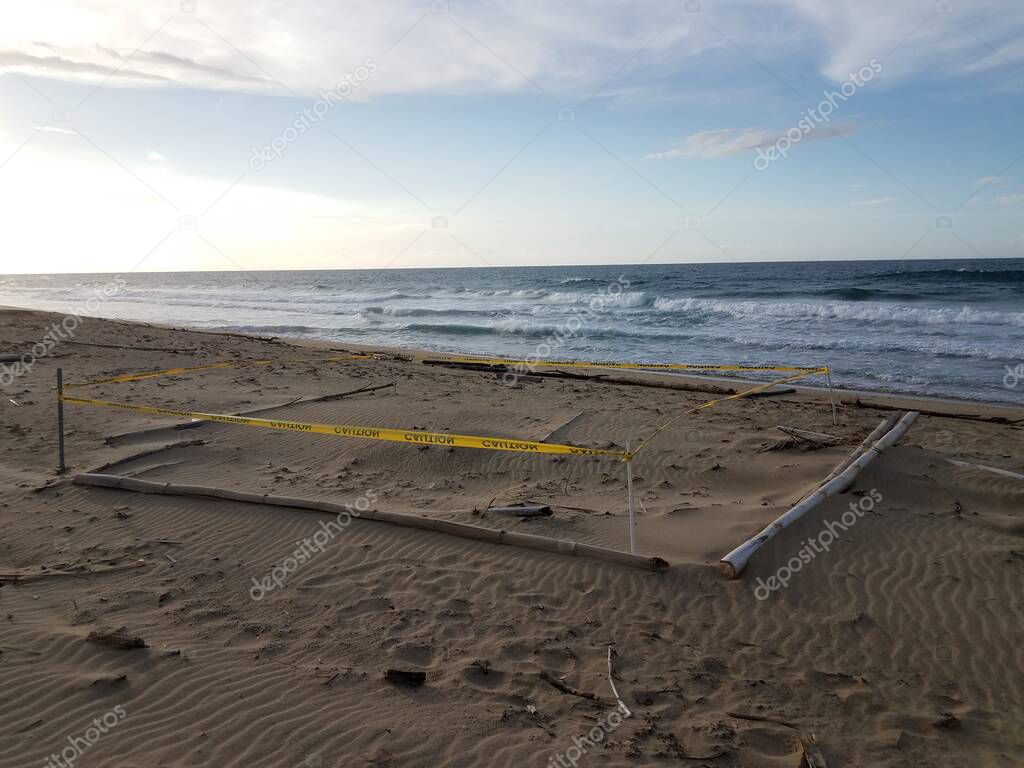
column 318, row 134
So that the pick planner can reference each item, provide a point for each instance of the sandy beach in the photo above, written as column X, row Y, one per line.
column 898, row 646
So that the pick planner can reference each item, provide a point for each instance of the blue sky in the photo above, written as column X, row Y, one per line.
column 483, row 133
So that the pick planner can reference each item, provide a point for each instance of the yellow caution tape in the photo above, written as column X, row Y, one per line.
column 711, row 403
column 636, row 366
column 194, row 368
column 417, row 437
column 409, row 437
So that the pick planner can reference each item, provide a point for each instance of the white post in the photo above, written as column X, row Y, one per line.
column 831, row 398
column 632, row 508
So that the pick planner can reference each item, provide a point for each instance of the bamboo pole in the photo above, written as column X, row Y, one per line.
column 884, row 426
column 734, row 562
column 462, row 530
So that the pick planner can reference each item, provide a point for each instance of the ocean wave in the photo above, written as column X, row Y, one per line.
column 583, row 281
column 425, row 311
column 845, row 294
column 539, row 331
column 854, row 311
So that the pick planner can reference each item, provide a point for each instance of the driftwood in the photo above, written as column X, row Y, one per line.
column 763, row 719
column 601, row 378
column 773, row 392
column 734, row 562
column 858, row 403
column 340, row 395
column 133, row 348
column 522, row 510
column 554, row 682
column 611, row 682
column 10, row 358
column 802, row 438
column 807, row 434
column 462, row 530
column 151, row 452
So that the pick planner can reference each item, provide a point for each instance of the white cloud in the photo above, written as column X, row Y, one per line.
column 155, row 157
column 726, row 142
column 984, row 181
column 55, row 129
column 873, row 202
column 911, row 38
column 250, row 46
column 1015, row 199
column 261, row 45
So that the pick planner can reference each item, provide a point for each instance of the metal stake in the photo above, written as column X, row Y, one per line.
column 831, row 399
column 632, row 509
column 60, row 419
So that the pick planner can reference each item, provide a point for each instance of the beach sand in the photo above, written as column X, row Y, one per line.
column 901, row 646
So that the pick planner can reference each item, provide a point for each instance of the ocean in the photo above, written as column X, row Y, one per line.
column 945, row 328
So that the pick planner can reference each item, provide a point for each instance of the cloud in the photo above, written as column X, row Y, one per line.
column 58, row 66
column 984, row 181
column 155, row 157
column 727, row 142
column 633, row 46
column 873, row 202
column 55, row 129
column 1015, row 199
column 912, row 38
column 262, row 46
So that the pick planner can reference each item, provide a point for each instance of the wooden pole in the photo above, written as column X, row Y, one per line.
column 61, row 468
column 449, row 527
column 632, row 508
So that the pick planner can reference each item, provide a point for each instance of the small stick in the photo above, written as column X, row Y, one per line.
column 556, row 683
column 807, row 434
column 762, row 719
column 30, row 726
column 611, row 682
